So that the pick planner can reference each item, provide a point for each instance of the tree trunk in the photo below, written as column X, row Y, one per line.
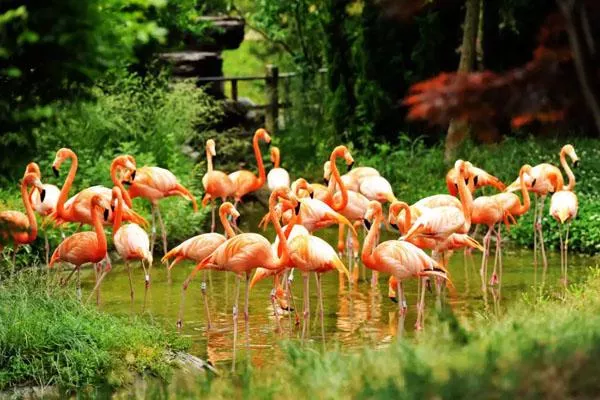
column 458, row 130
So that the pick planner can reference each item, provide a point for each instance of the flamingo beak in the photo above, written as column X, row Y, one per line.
column 297, row 208
column 349, row 166
column 42, row 195
column 367, row 223
column 106, row 213
column 133, row 175
column 55, row 170
column 576, row 163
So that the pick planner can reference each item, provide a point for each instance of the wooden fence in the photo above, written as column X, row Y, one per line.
column 272, row 80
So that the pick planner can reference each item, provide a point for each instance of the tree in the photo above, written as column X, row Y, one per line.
column 561, row 80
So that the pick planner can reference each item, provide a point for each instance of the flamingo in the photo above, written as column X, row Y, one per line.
column 399, row 258
column 17, row 227
column 216, row 183
column 154, row 184
column 44, row 207
column 245, row 181
column 199, row 247
column 277, row 176
column 477, row 178
column 441, row 222
column 243, row 253
column 353, row 177
column 404, row 216
column 541, row 180
column 563, row 208
column 78, row 208
column 123, row 162
column 85, row 247
column 377, row 188
column 131, row 241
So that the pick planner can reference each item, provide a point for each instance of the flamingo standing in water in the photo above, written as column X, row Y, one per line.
column 399, row 258
column 541, row 180
column 563, row 208
column 131, row 242
column 199, row 247
column 46, row 206
column 217, row 184
column 85, row 247
column 243, row 253
column 17, row 227
column 277, row 176
column 154, row 184
column 245, row 181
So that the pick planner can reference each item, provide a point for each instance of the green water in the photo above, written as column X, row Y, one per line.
column 361, row 316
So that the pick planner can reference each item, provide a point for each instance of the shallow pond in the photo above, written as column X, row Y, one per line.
column 353, row 317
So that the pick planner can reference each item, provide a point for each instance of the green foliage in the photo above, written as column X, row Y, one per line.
column 142, row 117
column 48, row 338
column 542, row 348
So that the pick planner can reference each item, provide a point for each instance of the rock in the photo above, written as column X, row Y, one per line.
column 196, row 64
column 225, row 33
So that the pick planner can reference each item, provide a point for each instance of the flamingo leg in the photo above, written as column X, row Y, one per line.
column 401, row 307
column 130, row 279
column 319, row 288
column 541, row 234
column 78, row 285
column 486, row 253
column 107, row 268
column 562, row 252
column 235, row 317
column 205, row 299
column 291, row 295
column 274, row 305
column 421, row 308
column 306, row 314
column 146, row 274
column 494, row 277
column 246, row 314
column 567, row 253
column 64, row 282
column 162, row 228
column 535, row 241
column 153, row 235
column 14, row 261
column 47, row 247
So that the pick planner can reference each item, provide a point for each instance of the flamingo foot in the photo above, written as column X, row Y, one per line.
column 418, row 326
column 494, row 279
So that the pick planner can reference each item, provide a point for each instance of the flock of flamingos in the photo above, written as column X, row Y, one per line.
column 440, row 223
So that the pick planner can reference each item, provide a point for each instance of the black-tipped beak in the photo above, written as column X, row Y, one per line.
column 55, row 170
column 133, row 175
column 126, row 183
column 112, row 207
column 106, row 215
column 367, row 223
column 312, row 195
column 349, row 166
column 43, row 195
column 475, row 179
column 326, row 181
column 575, row 163
column 533, row 182
column 395, row 226
column 466, row 181
column 394, row 299
column 287, row 308
column 297, row 209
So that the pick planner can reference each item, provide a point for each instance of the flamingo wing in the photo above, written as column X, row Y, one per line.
column 79, row 248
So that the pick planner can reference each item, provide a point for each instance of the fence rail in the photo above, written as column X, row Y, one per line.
column 271, row 78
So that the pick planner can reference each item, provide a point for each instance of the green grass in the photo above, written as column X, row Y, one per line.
column 542, row 348
column 48, row 338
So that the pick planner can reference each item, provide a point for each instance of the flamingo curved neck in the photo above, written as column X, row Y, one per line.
column 209, row 161
column 371, row 239
column 262, row 175
column 119, row 184
column 64, row 191
column 229, row 232
column 407, row 215
column 98, row 228
column 33, row 229
column 523, row 208
column 466, row 199
column 276, row 159
column 118, row 217
column 283, row 261
column 336, row 176
column 567, row 168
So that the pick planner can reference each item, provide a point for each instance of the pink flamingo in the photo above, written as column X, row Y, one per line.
column 245, row 181
column 277, row 176
column 217, row 184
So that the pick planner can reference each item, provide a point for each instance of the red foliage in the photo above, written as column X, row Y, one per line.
column 544, row 90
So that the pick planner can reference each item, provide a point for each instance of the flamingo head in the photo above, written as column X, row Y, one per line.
column 569, row 150
column 229, row 209
column 373, row 210
column 101, row 204
column 210, row 147
column 263, row 134
column 327, row 172
column 31, row 179
column 61, row 155
column 275, row 155
column 33, row 168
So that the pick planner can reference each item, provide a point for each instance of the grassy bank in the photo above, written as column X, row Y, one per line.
column 48, row 338
column 542, row 348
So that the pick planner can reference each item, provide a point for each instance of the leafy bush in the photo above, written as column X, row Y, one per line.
column 48, row 338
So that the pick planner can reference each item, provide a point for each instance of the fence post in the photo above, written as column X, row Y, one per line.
column 234, row 89
column 271, row 114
